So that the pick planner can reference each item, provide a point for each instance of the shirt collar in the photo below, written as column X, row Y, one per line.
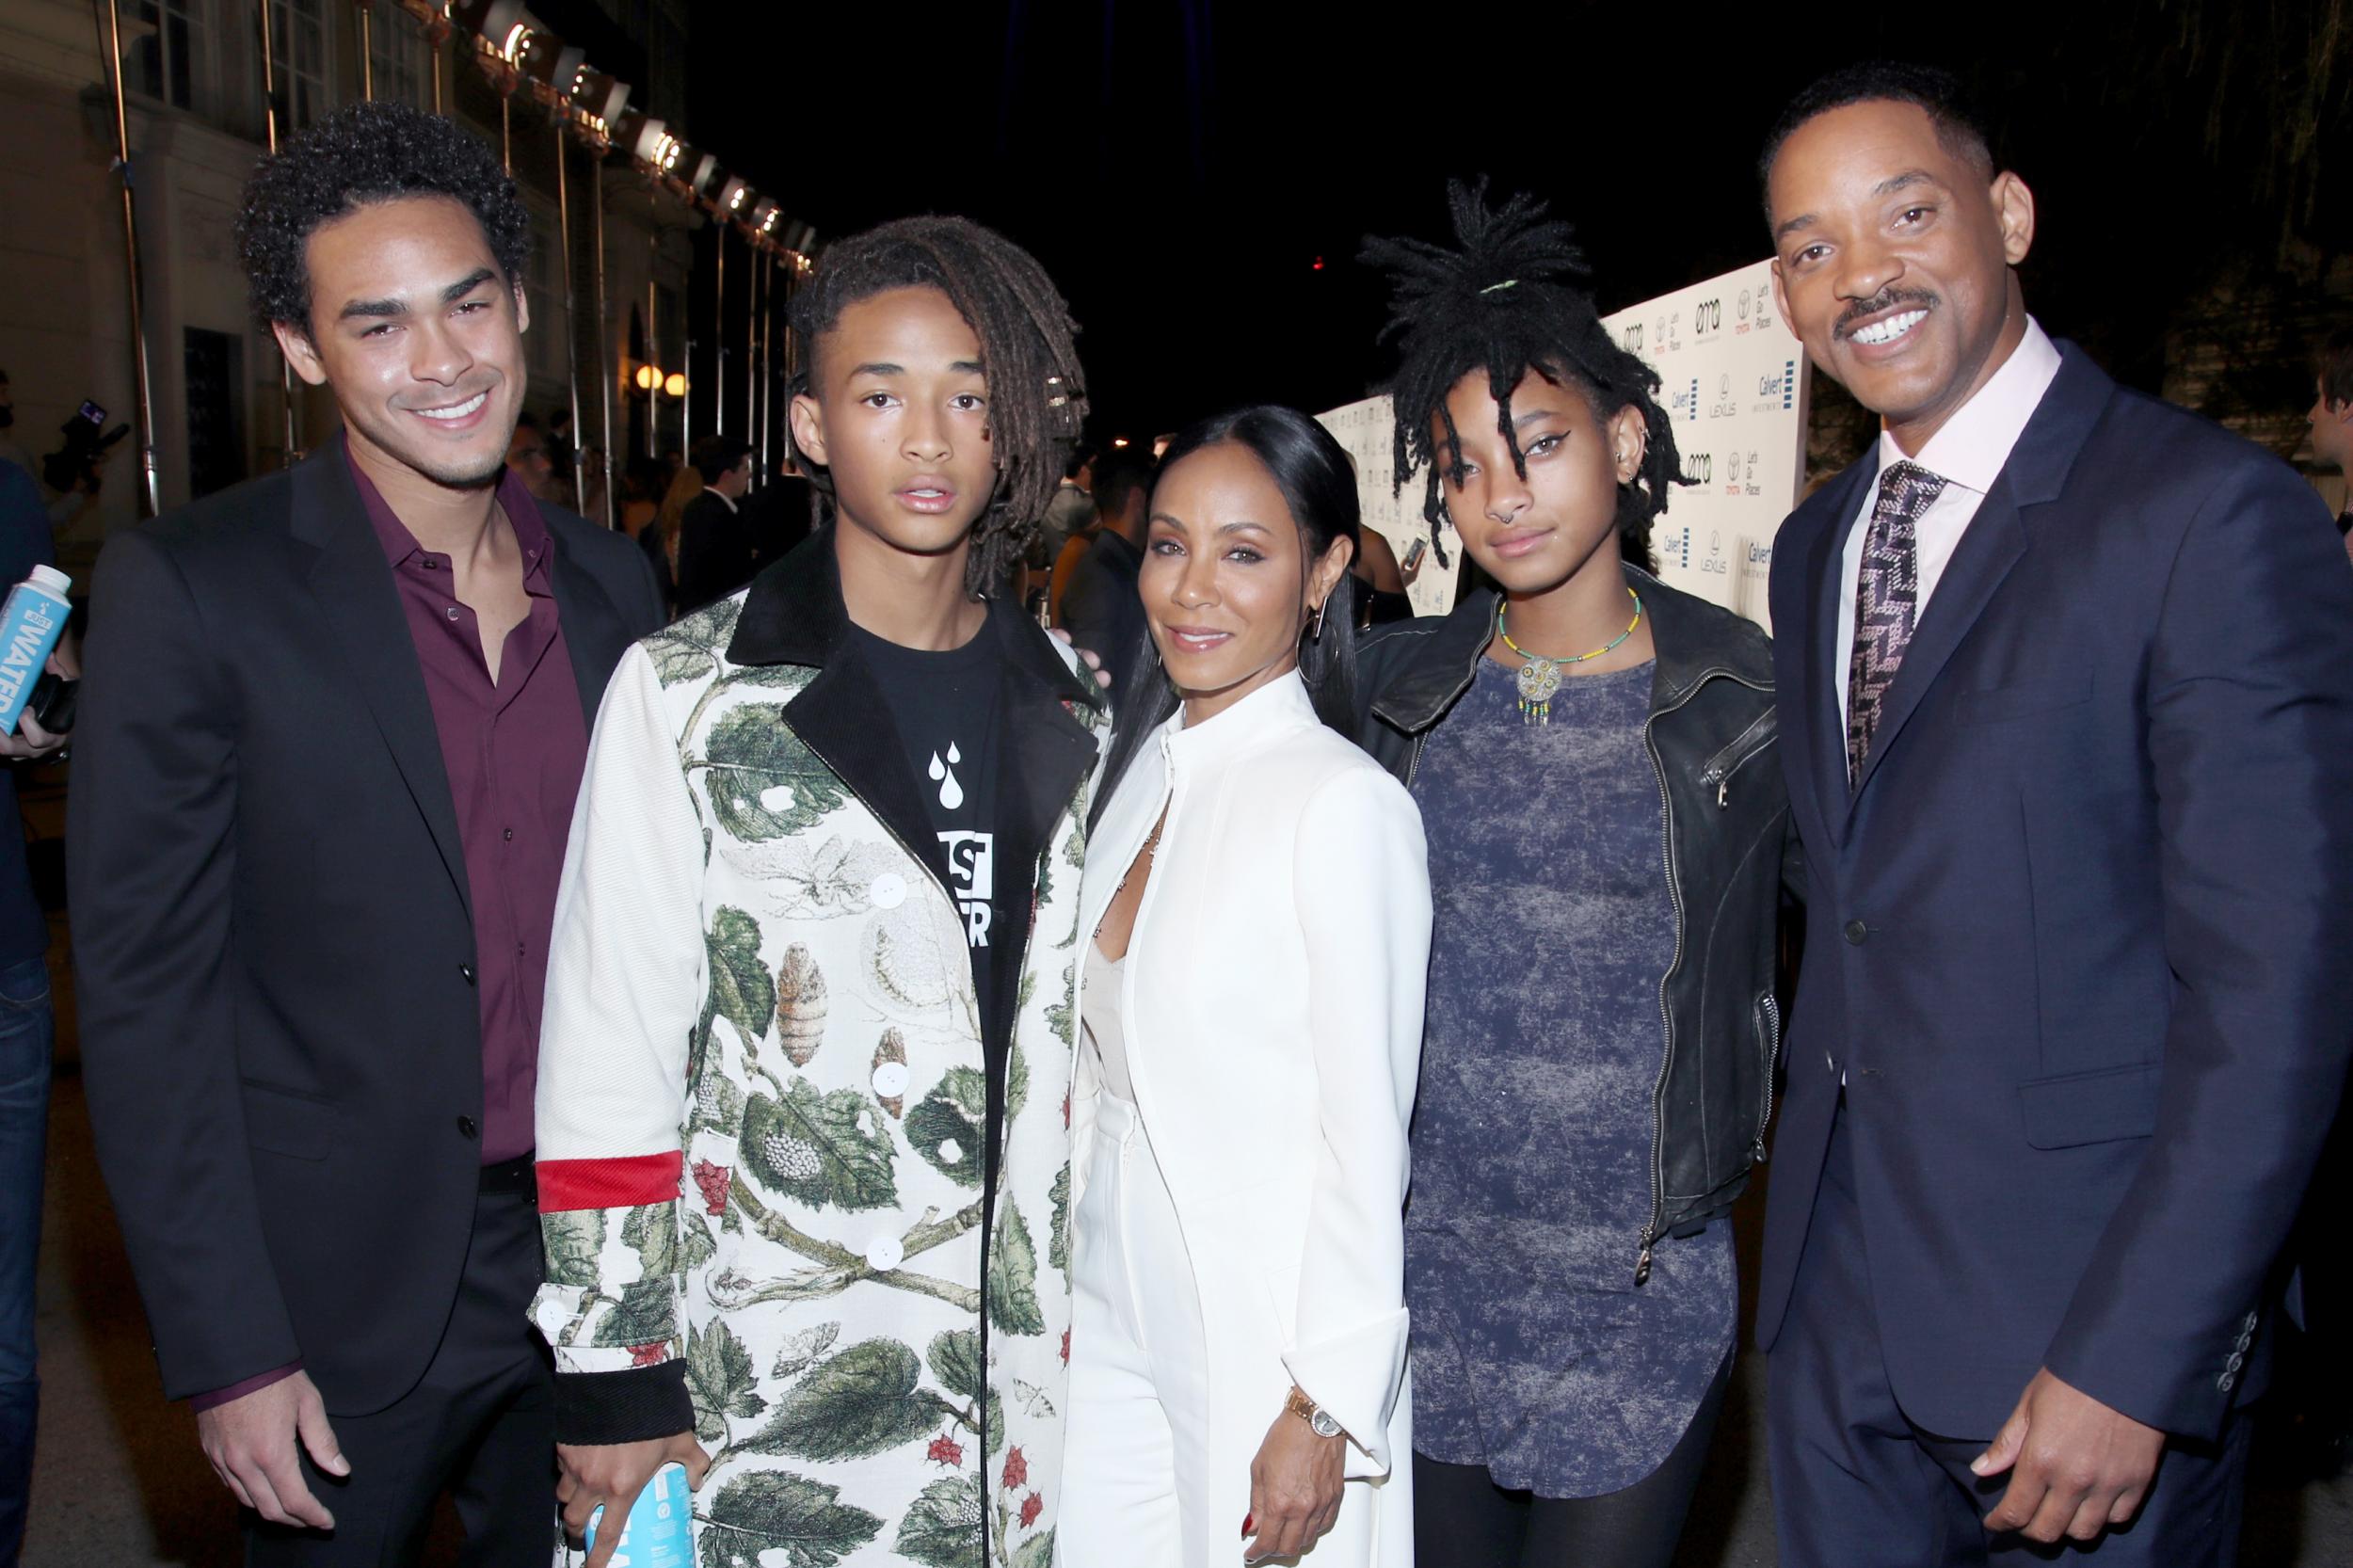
column 1971, row 448
column 522, row 515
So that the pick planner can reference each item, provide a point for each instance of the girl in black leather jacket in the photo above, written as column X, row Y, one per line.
column 1592, row 752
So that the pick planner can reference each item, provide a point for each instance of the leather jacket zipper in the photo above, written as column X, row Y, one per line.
column 1768, row 1031
column 1666, row 1017
column 1750, row 743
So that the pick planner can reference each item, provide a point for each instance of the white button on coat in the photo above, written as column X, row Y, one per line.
column 889, row 891
column 884, row 1253
column 890, row 1078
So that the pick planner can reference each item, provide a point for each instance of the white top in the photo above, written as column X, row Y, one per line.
column 1968, row 454
column 1098, row 1014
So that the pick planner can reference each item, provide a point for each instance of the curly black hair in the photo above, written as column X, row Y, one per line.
column 364, row 154
column 1500, row 301
column 1960, row 124
column 1037, row 400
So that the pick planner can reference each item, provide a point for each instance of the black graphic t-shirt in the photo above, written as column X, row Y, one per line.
column 945, row 708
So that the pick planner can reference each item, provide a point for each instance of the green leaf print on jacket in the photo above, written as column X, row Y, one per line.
column 651, row 1229
column 689, row 649
column 644, row 1315
column 1011, row 1290
column 721, row 1380
column 822, row 1149
column 864, row 1402
column 956, row 1362
column 945, row 1126
column 764, row 783
column 773, row 1510
column 571, row 1238
column 1058, row 1244
column 942, row 1527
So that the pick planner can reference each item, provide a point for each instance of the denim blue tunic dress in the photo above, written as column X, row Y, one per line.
column 1534, row 1353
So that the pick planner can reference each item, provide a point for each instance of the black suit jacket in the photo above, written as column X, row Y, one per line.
column 2080, row 934
column 280, row 1028
column 716, row 553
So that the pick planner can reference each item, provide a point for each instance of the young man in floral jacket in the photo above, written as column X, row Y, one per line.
column 802, row 1112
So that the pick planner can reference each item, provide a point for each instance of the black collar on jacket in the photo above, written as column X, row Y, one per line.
column 793, row 615
column 353, row 582
column 1691, row 643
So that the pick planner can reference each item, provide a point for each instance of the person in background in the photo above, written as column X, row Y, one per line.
column 641, row 496
column 2332, row 413
column 27, row 1035
column 59, row 506
column 661, row 541
column 1099, row 608
column 2067, row 695
column 332, row 728
column 1070, row 511
column 716, row 551
column 1593, row 751
column 592, row 480
column 1383, row 581
column 780, row 515
column 1255, row 916
column 527, row 454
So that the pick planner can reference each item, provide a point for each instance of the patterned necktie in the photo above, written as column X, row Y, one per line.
column 1886, row 599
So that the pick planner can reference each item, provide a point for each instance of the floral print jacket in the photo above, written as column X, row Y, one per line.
column 763, row 1099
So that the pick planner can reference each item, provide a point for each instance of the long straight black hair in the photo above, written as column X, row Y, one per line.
column 1318, row 484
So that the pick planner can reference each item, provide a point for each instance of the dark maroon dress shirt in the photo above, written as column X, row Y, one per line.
column 515, row 750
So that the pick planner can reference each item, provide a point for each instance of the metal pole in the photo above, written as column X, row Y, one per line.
column 441, row 51
column 686, row 399
column 653, row 338
column 719, row 330
column 152, row 487
column 292, row 447
column 367, row 51
column 751, row 350
column 506, row 129
column 571, row 318
column 604, row 367
column 767, row 363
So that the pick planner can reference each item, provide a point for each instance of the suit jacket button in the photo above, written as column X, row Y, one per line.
column 2236, row 1361
column 466, row 1128
column 465, row 973
column 1856, row 932
column 2226, row 1381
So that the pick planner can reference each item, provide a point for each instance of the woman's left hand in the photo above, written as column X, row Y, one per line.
column 1294, row 1489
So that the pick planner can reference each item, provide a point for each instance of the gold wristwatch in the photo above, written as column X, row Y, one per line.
column 1313, row 1414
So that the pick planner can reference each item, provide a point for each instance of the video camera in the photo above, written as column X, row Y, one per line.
column 86, row 443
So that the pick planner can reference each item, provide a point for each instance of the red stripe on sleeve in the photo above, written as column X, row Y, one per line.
column 625, row 1183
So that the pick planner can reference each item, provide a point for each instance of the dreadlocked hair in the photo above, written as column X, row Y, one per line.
column 1036, row 403
column 1502, row 300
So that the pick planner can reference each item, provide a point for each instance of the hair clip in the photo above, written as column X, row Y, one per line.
column 1507, row 283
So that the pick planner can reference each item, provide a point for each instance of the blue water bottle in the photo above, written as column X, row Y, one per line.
column 31, row 622
column 655, row 1535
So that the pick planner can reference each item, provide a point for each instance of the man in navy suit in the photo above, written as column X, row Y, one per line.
column 2070, row 677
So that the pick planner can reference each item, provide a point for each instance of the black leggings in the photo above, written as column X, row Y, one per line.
column 1462, row 1519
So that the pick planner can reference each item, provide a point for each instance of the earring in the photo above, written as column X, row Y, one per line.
column 1316, row 634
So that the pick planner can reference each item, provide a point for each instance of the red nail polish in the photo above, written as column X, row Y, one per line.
column 1248, row 1520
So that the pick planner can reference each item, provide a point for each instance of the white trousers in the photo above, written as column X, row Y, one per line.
column 1137, row 1437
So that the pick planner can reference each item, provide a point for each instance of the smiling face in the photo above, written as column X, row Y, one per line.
column 1227, row 582
column 900, row 417
column 419, row 336
column 1534, row 534
column 1892, row 260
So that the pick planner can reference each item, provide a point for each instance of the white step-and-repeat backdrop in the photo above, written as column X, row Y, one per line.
column 1734, row 382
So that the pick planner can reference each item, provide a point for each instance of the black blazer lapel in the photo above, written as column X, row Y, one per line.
column 1825, row 735
column 594, row 635
column 353, row 584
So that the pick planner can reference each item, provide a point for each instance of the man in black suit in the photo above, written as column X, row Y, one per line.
column 717, row 552
column 333, row 724
column 2067, row 688
column 1101, row 609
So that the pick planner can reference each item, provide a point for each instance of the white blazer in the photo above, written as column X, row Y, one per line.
column 1271, row 1004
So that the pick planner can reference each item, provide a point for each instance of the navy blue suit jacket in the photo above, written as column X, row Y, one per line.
column 2081, row 941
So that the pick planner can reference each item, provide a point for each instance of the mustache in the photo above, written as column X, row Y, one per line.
column 1886, row 299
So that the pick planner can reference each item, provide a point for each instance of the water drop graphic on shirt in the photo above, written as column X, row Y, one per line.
column 943, row 774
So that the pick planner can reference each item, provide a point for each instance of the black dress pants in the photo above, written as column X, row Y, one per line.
column 1857, row 1484
column 481, row 1425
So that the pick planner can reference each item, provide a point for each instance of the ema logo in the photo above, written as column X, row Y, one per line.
column 1708, row 318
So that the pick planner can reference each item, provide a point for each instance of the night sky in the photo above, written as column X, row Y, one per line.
column 1180, row 165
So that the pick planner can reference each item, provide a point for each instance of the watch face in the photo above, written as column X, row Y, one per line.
column 1324, row 1425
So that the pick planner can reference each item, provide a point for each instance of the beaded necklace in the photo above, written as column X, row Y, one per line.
column 1540, row 677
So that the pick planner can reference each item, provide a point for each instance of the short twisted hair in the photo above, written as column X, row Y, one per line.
column 360, row 154
column 1500, row 301
column 1036, row 401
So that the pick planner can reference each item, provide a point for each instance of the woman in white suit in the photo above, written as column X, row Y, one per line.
column 1251, row 1015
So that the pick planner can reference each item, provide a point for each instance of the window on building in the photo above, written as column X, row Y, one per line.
column 299, row 39
column 162, row 63
column 400, row 59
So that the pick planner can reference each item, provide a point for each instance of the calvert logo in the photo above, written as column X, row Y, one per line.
column 1686, row 399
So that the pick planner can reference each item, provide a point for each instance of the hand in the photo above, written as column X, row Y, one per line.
column 31, row 743
column 613, row 1474
column 1086, row 657
column 1294, row 1489
column 2079, row 1465
column 250, row 1441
